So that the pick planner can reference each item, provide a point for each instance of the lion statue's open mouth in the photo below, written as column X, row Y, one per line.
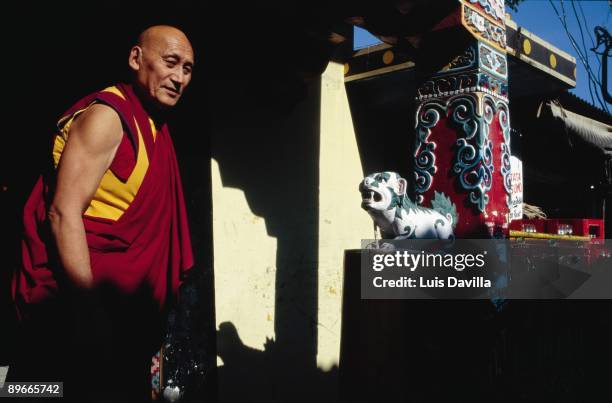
column 368, row 196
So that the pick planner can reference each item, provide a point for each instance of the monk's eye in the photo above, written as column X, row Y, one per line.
column 186, row 69
column 170, row 62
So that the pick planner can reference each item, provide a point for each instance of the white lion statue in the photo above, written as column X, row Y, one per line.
column 383, row 196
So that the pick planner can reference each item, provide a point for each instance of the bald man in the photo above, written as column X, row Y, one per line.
column 118, row 241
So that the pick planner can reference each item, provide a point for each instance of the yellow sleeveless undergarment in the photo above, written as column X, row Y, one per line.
column 113, row 196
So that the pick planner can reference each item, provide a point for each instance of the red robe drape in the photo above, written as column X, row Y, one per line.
column 148, row 247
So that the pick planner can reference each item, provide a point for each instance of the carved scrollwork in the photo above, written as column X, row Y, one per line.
column 462, row 84
column 474, row 158
column 494, row 8
column 464, row 61
column 504, row 123
column 450, row 85
column 484, row 29
column 428, row 117
column 493, row 61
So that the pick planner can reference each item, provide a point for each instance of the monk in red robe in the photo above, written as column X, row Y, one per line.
column 106, row 237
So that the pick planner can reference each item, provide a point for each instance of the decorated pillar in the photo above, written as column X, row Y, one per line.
column 463, row 126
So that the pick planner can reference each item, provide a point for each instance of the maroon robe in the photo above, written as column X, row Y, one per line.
column 148, row 247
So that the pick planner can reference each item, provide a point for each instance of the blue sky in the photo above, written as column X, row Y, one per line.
column 538, row 16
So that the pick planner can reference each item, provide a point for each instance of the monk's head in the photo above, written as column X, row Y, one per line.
column 162, row 61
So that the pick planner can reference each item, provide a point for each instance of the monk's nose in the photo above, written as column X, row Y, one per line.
column 178, row 79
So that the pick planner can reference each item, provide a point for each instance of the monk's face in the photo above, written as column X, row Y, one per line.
column 163, row 63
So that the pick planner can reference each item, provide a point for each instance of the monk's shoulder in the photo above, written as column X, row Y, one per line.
column 99, row 126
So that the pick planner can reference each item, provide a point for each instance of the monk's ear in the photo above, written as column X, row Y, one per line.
column 135, row 59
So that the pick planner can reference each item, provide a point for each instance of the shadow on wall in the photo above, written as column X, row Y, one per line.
column 258, row 373
column 267, row 144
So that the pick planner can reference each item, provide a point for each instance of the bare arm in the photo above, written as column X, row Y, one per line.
column 92, row 143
